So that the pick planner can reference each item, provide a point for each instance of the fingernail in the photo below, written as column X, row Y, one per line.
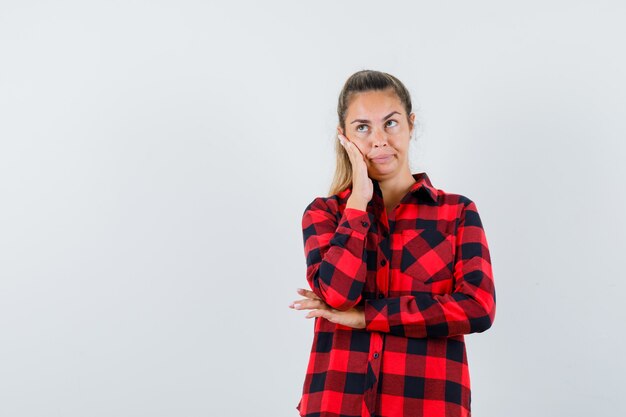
column 296, row 306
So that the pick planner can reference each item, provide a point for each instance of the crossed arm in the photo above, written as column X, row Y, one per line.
column 353, row 317
column 336, row 269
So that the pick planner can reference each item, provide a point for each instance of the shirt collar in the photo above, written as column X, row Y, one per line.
column 421, row 182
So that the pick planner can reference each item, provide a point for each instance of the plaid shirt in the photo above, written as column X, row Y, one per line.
column 423, row 276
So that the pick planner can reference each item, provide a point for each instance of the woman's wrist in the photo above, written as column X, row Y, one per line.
column 356, row 203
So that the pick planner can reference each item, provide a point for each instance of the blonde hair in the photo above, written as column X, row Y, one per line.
column 361, row 81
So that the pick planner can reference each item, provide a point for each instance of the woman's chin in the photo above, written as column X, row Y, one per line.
column 383, row 169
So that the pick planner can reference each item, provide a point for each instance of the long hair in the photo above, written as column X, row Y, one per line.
column 361, row 81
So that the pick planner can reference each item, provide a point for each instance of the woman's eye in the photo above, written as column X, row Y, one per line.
column 359, row 126
column 392, row 121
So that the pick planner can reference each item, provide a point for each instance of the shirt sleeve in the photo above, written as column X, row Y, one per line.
column 470, row 308
column 335, row 253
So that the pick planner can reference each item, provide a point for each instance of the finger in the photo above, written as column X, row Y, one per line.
column 351, row 147
column 320, row 313
column 358, row 151
column 347, row 143
column 308, row 304
column 316, row 302
column 307, row 293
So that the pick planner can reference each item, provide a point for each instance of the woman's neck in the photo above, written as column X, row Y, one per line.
column 394, row 187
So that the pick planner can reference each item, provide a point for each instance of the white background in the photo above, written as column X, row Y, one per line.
column 156, row 158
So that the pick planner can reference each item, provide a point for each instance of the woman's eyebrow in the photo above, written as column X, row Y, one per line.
column 367, row 121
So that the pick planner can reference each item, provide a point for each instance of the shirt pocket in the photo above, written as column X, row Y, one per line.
column 427, row 255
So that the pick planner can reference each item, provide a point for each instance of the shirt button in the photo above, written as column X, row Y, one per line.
column 376, row 355
column 383, row 262
column 381, row 295
column 365, row 224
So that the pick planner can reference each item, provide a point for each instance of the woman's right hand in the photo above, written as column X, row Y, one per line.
column 362, row 186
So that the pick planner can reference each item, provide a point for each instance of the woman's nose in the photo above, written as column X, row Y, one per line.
column 379, row 138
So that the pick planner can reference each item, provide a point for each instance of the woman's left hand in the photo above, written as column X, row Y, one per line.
column 354, row 317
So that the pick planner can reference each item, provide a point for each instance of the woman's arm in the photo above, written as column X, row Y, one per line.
column 470, row 308
column 335, row 249
column 353, row 317
column 335, row 252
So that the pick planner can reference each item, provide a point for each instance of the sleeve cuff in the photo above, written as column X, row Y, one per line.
column 356, row 219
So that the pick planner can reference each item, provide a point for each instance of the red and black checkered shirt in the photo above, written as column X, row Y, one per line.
column 423, row 276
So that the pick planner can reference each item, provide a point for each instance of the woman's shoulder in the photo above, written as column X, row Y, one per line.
column 331, row 204
column 443, row 196
column 447, row 197
column 454, row 205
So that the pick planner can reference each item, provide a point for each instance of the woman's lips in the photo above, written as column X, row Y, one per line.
column 382, row 159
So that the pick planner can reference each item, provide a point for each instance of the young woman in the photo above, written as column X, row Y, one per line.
column 399, row 271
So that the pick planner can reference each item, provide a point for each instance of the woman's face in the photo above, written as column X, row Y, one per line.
column 377, row 123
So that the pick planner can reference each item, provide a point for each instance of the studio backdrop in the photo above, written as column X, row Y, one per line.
column 156, row 159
